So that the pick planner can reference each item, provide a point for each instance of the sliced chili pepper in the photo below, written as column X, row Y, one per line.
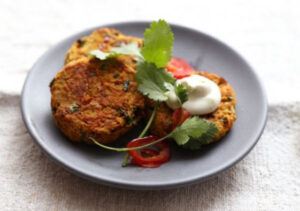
column 146, row 153
column 149, row 158
column 149, row 165
column 179, row 68
column 176, row 116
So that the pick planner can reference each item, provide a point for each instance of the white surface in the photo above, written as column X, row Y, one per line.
column 266, row 32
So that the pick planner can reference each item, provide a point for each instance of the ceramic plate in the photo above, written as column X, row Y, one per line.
column 204, row 53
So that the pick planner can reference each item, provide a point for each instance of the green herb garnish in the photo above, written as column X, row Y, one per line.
column 206, row 138
column 130, row 49
column 74, row 107
column 126, row 85
column 129, row 119
column 158, row 43
column 125, row 49
column 117, row 75
column 193, row 128
column 154, row 82
column 104, row 67
column 180, row 92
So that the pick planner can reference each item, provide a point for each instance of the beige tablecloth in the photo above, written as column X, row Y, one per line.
column 265, row 32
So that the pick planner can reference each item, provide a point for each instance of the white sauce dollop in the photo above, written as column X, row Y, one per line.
column 204, row 95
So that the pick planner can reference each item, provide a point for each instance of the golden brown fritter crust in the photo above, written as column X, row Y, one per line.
column 101, row 39
column 99, row 99
column 88, row 97
column 223, row 117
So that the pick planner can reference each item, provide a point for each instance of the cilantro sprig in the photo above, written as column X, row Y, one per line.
column 154, row 82
column 205, row 138
column 158, row 43
column 192, row 129
column 127, row 49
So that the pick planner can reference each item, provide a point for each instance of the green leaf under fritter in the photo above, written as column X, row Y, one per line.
column 99, row 54
column 129, row 49
column 125, row 49
column 193, row 144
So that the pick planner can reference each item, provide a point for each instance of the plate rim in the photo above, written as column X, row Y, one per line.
column 117, row 183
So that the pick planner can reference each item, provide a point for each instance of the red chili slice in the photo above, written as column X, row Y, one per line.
column 179, row 68
column 146, row 153
column 177, row 115
column 149, row 158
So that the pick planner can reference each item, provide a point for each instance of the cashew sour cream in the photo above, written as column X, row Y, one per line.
column 204, row 95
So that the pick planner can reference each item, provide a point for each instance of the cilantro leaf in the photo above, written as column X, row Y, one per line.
column 196, row 143
column 131, row 49
column 158, row 42
column 99, row 54
column 152, row 80
column 181, row 92
column 192, row 127
column 125, row 49
column 193, row 144
column 206, row 138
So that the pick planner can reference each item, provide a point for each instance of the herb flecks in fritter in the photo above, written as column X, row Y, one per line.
column 154, row 81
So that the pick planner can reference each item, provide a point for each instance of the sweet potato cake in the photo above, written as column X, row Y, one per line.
column 88, row 97
column 94, row 98
column 223, row 117
column 101, row 39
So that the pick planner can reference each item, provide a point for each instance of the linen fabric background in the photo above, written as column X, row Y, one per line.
column 266, row 33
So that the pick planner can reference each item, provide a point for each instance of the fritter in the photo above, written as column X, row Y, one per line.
column 99, row 99
column 223, row 117
column 101, row 39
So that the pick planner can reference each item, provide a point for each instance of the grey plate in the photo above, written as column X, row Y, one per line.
column 185, row 167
